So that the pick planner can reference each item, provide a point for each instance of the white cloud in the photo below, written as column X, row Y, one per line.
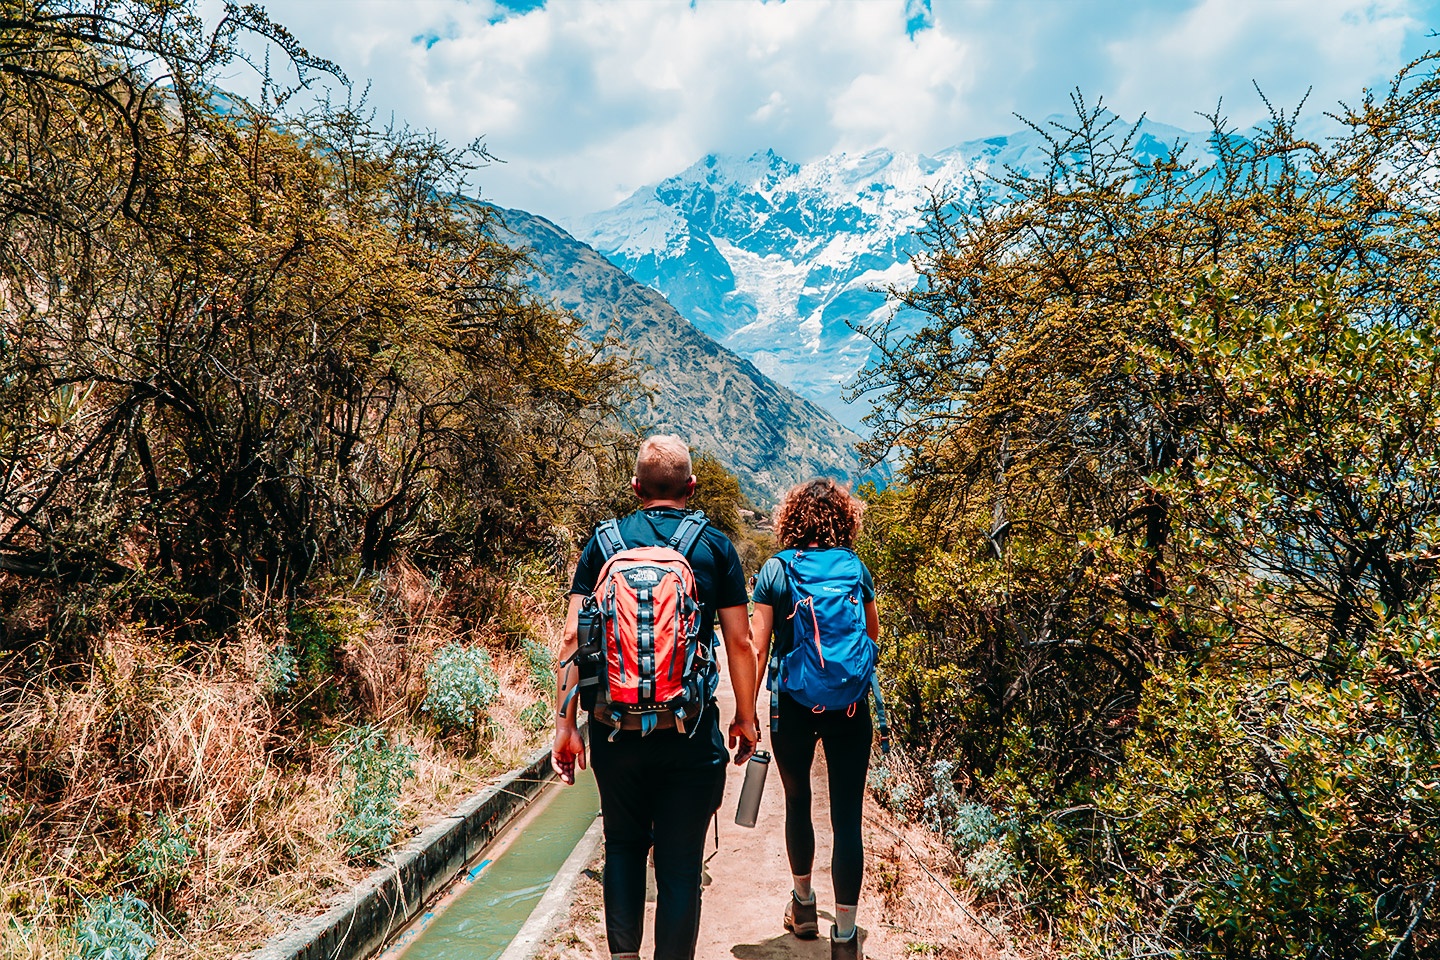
column 1286, row 47
column 587, row 100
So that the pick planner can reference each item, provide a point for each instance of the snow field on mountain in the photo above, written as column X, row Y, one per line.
column 774, row 285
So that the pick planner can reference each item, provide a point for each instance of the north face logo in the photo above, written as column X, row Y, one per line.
column 643, row 576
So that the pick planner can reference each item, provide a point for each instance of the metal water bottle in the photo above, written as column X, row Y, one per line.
column 754, row 785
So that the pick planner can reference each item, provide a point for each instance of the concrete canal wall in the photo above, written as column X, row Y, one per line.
column 388, row 899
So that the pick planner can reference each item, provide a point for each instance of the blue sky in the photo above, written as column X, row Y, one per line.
column 587, row 100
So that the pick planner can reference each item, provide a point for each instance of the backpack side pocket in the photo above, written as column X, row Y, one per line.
column 590, row 652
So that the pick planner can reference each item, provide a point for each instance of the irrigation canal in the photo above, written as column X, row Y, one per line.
column 478, row 917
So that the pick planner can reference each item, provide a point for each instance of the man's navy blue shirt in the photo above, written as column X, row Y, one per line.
column 719, row 578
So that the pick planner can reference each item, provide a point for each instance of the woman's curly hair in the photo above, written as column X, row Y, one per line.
column 819, row 512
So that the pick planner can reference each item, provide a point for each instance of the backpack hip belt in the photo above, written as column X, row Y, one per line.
column 665, row 719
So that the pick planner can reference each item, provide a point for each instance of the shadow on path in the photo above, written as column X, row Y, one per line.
column 787, row 947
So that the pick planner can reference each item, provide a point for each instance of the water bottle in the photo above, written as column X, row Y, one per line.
column 754, row 785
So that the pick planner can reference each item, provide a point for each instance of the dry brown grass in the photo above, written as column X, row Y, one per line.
column 86, row 764
column 913, row 877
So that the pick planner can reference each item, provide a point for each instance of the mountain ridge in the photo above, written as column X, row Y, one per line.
column 768, row 435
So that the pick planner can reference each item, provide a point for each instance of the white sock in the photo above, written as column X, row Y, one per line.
column 803, row 891
column 845, row 920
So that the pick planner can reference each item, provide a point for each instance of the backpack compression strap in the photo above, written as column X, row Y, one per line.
column 682, row 541
column 772, row 675
column 882, row 723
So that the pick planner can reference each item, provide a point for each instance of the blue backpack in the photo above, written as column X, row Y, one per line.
column 830, row 664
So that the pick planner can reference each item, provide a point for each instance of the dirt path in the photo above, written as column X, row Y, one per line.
column 904, row 913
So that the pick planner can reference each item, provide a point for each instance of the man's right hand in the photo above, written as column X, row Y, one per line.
column 567, row 752
column 745, row 734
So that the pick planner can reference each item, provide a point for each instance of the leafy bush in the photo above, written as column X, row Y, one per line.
column 542, row 664
column 990, row 867
column 1290, row 818
column 373, row 770
column 972, row 830
column 161, row 858
column 892, row 789
column 279, row 672
column 973, row 825
column 115, row 928
column 317, row 634
column 460, row 683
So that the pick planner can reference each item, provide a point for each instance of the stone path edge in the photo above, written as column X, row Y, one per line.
column 380, row 906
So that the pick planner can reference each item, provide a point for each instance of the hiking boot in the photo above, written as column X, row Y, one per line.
column 800, row 918
column 846, row 949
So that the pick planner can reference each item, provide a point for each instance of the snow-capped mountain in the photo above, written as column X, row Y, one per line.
column 779, row 261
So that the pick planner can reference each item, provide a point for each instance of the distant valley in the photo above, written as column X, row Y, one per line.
column 740, row 284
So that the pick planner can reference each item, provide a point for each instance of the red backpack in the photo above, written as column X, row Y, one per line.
column 639, row 648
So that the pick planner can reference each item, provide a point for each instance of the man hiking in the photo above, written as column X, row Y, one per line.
column 640, row 653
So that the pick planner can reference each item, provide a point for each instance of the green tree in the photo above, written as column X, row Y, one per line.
column 717, row 492
column 242, row 346
column 1031, row 424
column 1169, row 512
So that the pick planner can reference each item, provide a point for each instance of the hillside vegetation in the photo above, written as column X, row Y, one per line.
column 1161, row 585
column 291, row 463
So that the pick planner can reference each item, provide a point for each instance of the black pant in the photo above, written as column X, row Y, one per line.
column 664, row 789
column 847, row 758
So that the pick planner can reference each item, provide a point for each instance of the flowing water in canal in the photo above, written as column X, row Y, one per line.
column 478, row 921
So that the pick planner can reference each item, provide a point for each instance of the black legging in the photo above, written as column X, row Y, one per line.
column 847, row 757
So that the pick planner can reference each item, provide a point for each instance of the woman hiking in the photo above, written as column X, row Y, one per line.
column 815, row 623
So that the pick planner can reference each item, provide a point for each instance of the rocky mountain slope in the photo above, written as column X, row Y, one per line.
column 778, row 260
column 766, row 434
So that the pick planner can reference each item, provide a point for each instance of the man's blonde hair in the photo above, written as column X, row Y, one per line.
column 662, row 468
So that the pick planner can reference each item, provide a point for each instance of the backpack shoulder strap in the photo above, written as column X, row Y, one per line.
column 857, row 566
column 787, row 600
column 884, row 723
column 785, row 558
column 692, row 526
column 778, row 651
column 608, row 536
